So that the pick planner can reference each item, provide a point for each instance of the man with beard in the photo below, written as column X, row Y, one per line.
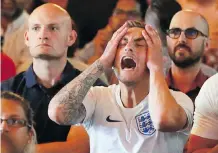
column 48, row 37
column 140, row 114
column 187, row 38
column 17, row 131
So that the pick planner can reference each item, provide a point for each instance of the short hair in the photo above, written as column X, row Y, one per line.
column 23, row 103
column 135, row 23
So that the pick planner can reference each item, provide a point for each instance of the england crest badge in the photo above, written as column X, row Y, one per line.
column 144, row 123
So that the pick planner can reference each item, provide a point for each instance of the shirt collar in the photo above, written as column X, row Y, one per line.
column 68, row 74
column 199, row 80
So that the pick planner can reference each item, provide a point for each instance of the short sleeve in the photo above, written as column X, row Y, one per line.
column 89, row 102
column 206, row 112
column 186, row 103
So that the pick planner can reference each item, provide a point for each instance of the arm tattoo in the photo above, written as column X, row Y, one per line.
column 69, row 99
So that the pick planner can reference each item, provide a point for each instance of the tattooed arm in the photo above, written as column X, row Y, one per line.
column 66, row 107
column 67, row 104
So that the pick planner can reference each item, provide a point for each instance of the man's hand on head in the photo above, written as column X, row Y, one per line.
column 108, row 57
column 154, row 52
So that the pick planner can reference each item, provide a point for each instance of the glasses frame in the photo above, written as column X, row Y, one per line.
column 198, row 33
column 24, row 123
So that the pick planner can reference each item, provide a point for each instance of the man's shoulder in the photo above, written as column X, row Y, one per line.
column 13, row 83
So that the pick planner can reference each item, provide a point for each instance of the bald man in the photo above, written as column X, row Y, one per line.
column 187, row 38
column 48, row 37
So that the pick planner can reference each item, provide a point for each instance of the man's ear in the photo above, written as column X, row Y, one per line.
column 72, row 38
column 206, row 44
column 32, row 135
column 26, row 38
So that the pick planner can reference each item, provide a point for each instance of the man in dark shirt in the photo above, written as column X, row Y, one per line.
column 159, row 15
column 187, row 38
column 48, row 37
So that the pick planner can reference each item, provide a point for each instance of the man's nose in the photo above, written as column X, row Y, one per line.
column 129, row 47
column 182, row 37
column 4, row 127
column 44, row 34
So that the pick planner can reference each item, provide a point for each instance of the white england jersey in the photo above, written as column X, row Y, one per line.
column 206, row 112
column 112, row 128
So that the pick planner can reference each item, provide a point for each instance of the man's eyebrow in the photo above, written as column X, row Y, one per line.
column 50, row 24
column 139, row 39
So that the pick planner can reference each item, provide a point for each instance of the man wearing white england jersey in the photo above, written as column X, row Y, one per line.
column 204, row 134
column 140, row 114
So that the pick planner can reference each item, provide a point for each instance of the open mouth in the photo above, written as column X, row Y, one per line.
column 128, row 63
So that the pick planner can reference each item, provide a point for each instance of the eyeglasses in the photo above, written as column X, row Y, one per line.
column 128, row 13
column 13, row 122
column 190, row 33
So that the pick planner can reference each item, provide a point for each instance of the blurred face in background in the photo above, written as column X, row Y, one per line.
column 125, row 10
column 8, row 7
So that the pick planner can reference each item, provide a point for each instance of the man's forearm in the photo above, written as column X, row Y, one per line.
column 66, row 107
column 166, row 114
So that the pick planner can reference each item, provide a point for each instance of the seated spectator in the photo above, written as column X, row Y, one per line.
column 13, row 25
column 187, row 38
column 190, row 78
column 17, row 132
column 204, row 134
column 140, row 114
column 48, row 37
column 7, row 67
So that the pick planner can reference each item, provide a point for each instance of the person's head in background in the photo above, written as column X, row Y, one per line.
column 124, row 10
column 187, row 38
column 17, row 132
column 13, row 8
column 159, row 15
column 50, row 33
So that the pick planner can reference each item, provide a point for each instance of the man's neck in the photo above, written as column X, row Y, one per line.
column 131, row 96
column 184, row 79
column 48, row 72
